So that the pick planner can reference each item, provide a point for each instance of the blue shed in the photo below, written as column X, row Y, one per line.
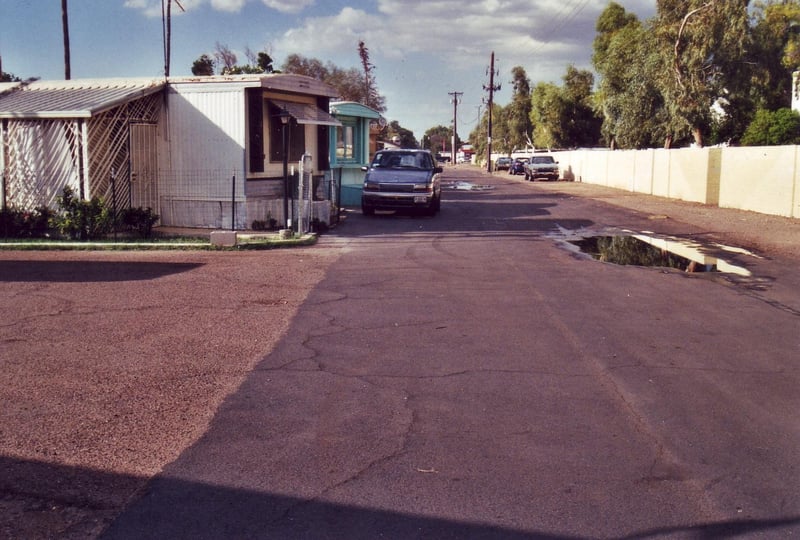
column 350, row 147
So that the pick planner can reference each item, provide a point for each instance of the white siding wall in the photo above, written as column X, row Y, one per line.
column 205, row 134
column 202, row 139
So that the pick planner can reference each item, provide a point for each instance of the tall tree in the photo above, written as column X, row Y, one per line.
column 405, row 136
column 203, row 66
column 479, row 134
column 775, row 52
column 502, row 137
column 564, row 117
column 628, row 97
column 349, row 83
column 519, row 110
column 372, row 98
column 8, row 77
column 705, row 41
column 580, row 126
column 224, row 57
column 546, row 110
column 437, row 139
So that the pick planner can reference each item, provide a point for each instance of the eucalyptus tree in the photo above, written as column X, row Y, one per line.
column 580, row 126
column 704, row 44
column 8, row 77
column 518, row 112
column 405, row 136
column 546, row 110
column 479, row 136
column 625, row 56
column 437, row 139
column 349, row 83
column 203, row 66
column 775, row 52
column 564, row 116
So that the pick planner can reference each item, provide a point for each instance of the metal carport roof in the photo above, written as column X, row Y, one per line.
column 72, row 99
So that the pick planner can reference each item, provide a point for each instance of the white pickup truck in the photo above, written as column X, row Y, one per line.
column 542, row 166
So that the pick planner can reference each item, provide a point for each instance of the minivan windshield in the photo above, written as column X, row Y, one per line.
column 402, row 160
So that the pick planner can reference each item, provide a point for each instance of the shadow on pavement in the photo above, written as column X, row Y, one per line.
column 88, row 271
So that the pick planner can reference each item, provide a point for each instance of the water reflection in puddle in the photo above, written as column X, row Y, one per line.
column 644, row 250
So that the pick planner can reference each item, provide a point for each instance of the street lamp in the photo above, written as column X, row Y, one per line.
column 284, row 116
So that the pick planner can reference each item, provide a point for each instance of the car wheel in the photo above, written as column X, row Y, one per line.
column 431, row 210
column 367, row 210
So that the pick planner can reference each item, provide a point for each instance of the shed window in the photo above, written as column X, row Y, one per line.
column 345, row 145
column 255, row 117
column 295, row 133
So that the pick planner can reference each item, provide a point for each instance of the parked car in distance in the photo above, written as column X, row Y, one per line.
column 402, row 179
column 502, row 163
column 543, row 166
column 518, row 166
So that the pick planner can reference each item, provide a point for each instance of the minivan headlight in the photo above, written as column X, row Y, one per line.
column 422, row 187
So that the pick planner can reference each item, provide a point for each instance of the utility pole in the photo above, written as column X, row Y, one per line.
column 166, row 27
column 456, row 96
column 492, row 88
column 65, row 28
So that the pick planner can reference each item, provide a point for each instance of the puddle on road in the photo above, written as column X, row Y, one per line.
column 460, row 185
column 664, row 252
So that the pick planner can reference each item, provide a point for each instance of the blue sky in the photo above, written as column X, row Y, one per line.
column 422, row 50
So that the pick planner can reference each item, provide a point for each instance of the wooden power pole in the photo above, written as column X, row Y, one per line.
column 492, row 88
column 65, row 26
column 453, row 150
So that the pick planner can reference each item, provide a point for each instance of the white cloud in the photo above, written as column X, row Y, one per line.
column 288, row 6
column 327, row 38
column 422, row 50
column 230, row 6
column 152, row 8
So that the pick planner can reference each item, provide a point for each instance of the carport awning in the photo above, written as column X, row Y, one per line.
column 305, row 113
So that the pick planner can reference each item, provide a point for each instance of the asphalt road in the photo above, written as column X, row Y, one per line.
column 462, row 376
column 466, row 376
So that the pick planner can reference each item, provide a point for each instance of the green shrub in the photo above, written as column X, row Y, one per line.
column 81, row 220
column 770, row 128
column 25, row 223
column 270, row 224
column 139, row 220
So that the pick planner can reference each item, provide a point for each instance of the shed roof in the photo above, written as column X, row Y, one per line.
column 79, row 98
column 278, row 82
column 352, row 108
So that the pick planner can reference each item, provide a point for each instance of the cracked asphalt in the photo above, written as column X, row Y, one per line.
column 462, row 376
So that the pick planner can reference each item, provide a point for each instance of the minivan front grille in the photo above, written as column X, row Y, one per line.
column 397, row 188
